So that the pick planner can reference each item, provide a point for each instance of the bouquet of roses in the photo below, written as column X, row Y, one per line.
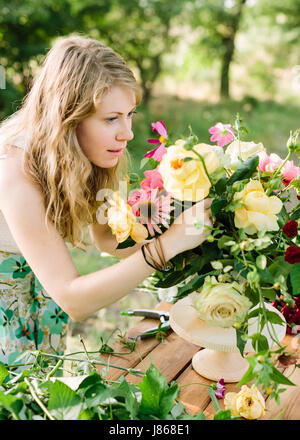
column 252, row 254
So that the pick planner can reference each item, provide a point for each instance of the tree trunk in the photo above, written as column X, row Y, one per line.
column 229, row 44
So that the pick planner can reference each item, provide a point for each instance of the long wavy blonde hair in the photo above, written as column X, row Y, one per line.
column 76, row 74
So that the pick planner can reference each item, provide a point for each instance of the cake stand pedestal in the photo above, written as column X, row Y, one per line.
column 220, row 357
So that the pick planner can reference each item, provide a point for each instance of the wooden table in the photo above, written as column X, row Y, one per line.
column 173, row 358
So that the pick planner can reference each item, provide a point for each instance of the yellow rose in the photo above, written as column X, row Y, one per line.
column 187, row 180
column 122, row 221
column 248, row 149
column 248, row 403
column 258, row 212
column 221, row 304
column 138, row 232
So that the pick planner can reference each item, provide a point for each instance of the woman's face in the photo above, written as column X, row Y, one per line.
column 104, row 135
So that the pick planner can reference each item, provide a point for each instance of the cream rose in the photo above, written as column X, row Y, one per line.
column 248, row 149
column 187, row 180
column 221, row 304
column 248, row 403
column 258, row 210
column 122, row 221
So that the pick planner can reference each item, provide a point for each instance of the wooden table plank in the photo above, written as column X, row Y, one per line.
column 170, row 358
column 173, row 359
column 193, row 392
column 142, row 349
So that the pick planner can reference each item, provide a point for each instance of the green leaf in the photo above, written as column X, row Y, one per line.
column 3, row 373
column 220, row 186
column 217, row 205
column 64, row 403
column 278, row 377
column 223, row 415
column 296, row 213
column 13, row 404
column 212, row 395
column 274, row 318
column 295, row 278
column 157, row 397
column 259, row 342
column 129, row 242
column 245, row 171
column 240, row 342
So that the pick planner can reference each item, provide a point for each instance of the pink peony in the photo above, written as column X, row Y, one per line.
column 222, row 133
column 159, row 151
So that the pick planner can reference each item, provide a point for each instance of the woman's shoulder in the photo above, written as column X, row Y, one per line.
column 12, row 173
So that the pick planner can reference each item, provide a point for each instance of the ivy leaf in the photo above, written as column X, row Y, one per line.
column 64, row 403
column 245, row 171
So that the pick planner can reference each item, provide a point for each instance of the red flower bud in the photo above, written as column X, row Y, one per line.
column 292, row 254
column 290, row 228
column 298, row 197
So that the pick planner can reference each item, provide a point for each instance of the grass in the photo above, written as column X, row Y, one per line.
column 267, row 122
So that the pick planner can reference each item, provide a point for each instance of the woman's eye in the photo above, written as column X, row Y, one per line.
column 130, row 115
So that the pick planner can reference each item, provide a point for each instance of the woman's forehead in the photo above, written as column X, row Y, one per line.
column 118, row 99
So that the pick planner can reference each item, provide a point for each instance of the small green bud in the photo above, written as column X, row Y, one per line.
column 261, row 359
column 210, row 239
column 237, row 325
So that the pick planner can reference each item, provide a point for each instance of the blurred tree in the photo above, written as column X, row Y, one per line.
column 26, row 30
column 141, row 31
column 218, row 23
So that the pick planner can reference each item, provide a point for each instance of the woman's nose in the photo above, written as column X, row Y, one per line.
column 125, row 133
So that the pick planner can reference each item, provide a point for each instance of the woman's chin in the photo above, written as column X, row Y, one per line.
column 107, row 163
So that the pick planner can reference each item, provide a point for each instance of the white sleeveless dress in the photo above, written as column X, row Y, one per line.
column 7, row 242
column 29, row 318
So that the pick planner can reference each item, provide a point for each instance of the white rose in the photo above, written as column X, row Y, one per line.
column 248, row 149
column 221, row 304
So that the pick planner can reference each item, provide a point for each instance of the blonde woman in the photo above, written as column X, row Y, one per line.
column 67, row 141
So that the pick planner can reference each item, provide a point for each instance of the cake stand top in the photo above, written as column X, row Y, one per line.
column 185, row 321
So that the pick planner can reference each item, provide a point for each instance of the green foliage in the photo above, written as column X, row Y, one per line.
column 32, row 396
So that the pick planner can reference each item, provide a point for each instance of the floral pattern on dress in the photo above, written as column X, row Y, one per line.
column 29, row 318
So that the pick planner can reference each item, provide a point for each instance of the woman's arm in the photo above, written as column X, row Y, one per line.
column 103, row 239
column 47, row 254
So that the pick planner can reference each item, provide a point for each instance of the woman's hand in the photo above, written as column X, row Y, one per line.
column 182, row 234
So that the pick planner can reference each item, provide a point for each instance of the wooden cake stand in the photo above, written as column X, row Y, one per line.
column 221, row 357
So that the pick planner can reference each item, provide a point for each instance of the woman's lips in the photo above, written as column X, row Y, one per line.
column 116, row 152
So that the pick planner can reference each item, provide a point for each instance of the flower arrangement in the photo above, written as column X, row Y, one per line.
column 252, row 254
